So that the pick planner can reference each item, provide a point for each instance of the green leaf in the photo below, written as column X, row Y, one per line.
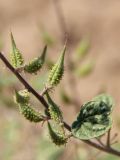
column 54, row 110
column 57, row 137
column 15, row 55
column 30, row 114
column 106, row 99
column 57, row 70
column 94, row 118
column 36, row 64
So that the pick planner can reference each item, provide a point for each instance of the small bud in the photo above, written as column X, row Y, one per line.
column 36, row 64
column 57, row 70
column 15, row 55
column 56, row 137
column 22, row 97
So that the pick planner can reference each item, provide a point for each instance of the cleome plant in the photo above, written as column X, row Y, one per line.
column 94, row 118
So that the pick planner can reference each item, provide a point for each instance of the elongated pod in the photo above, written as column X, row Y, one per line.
column 15, row 54
column 56, row 137
column 30, row 114
column 57, row 70
column 37, row 63
column 54, row 110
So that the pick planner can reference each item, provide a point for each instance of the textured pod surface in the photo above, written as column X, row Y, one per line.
column 36, row 64
column 93, row 120
column 54, row 110
column 22, row 97
column 57, row 70
column 15, row 55
column 30, row 114
column 56, row 137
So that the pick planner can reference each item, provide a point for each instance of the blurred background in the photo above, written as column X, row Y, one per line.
column 92, row 66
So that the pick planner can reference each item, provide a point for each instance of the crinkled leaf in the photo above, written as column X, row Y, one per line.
column 106, row 99
column 94, row 118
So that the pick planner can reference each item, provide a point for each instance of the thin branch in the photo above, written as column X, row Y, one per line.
column 108, row 138
column 46, row 88
column 23, row 81
column 43, row 101
column 99, row 141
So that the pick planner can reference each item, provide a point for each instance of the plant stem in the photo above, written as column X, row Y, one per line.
column 43, row 101
column 108, row 138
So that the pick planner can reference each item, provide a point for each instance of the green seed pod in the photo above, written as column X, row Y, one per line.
column 30, row 114
column 56, row 137
column 15, row 55
column 36, row 64
column 57, row 70
column 22, row 97
column 54, row 110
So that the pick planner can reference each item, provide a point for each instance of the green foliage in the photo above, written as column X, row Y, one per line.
column 57, row 137
column 57, row 70
column 94, row 118
column 36, row 64
column 15, row 55
column 106, row 99
column 54, row 110
column 30, row 114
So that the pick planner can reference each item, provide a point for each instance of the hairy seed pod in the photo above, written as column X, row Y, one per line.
column 56, row 137
column 54, row 110
column 15, row 55
column 30, row 114
column 57, row 70
column 22, row 97
column 36, row 64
